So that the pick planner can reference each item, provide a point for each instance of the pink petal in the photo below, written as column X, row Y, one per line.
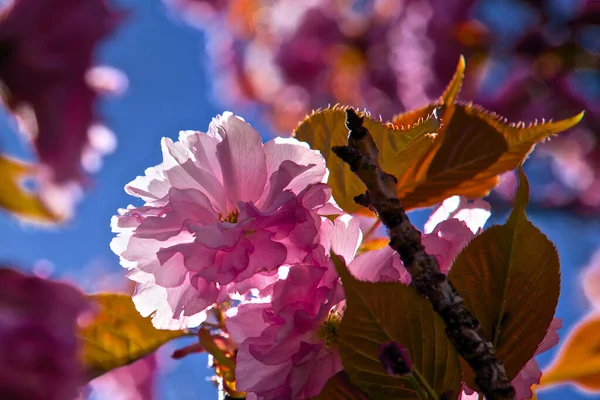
column 531, row 373
column 447, row 239
column 152, row 186
column 343, row 236
column 184, row 170
column 383, row 265
column 242, row 159
column 474, row 214
column 151, row 299
column 267, row 254
column 279, row 181
column 289, row 149
column 242, row 322
column 252, row 375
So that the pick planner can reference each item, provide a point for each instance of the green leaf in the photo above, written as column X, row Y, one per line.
column 381, row 312
column 15, row 199
column 509, row 278
column 326, row 128
column 339, row 387
column 119, row 335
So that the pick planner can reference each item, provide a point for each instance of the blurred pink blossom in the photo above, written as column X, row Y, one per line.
column 132, row 382
column 39, row 357
column 47, row 52
column 223, row 212
column 590, row 280
column 287, row 346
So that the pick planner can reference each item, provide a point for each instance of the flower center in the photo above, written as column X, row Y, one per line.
column 329, row 328
column 231, row 218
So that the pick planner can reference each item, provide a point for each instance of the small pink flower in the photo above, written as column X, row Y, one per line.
column 39, row 357
column 223, row 212
column 531, row 373
column 451, row 226
column 287, row 342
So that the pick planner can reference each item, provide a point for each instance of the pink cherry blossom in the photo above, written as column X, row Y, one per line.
column 39, row 357
column 222, row 213
column 287, row 342
column 451, row 226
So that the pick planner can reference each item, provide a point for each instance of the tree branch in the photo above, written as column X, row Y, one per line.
column 462, row 328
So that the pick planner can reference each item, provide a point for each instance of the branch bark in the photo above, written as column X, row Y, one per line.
column 462, row 328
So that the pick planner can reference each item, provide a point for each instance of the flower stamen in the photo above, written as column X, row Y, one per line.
column 231, row 218
column 329, row 329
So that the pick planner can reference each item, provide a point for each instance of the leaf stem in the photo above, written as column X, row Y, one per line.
column 423, row 382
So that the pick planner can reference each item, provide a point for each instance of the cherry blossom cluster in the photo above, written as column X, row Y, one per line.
column 231, row 221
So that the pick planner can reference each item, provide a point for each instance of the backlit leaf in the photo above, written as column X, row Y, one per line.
column 119, row 335
column 440, row 150
column 326, row 128
column 446, row 100
column 509, row 278
column 381, row 312
column 15, row 199
column 339, row 387
column 477, row 146
column 472, row 147
column 578, row 361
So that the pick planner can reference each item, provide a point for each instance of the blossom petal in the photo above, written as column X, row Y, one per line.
column 290, row 149
column 242, row 160
column 383, row 265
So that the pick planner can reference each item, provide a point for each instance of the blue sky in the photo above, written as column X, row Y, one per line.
column 170, row 91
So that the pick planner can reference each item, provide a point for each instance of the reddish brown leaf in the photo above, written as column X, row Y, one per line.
column 509, row 278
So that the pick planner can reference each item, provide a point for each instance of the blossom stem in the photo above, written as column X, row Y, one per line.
column 463, row 330
column 418, row 386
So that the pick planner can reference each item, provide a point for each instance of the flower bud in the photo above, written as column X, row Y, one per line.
column 395, row 358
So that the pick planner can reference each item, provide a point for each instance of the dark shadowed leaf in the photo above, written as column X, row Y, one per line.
column 377, row 313
column 509, row 278
column 339, row 387
column 119, row 335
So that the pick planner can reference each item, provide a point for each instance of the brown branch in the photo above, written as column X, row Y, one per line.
column 462, row 328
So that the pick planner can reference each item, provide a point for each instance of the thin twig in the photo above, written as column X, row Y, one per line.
column 462, row 328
